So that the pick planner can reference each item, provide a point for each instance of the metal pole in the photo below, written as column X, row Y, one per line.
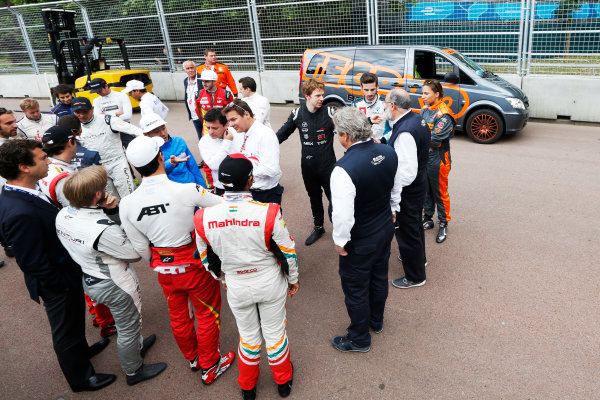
column 26, row 40
column 165, row 34
column 531, row 27
column 87, row 24
column 376, row 22
column 521, row 36
column 368, row 4
column 256, row 40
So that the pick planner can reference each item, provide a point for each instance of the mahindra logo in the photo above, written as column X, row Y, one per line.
column 232, row 222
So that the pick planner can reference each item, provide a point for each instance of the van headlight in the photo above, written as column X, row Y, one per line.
column 515, row 103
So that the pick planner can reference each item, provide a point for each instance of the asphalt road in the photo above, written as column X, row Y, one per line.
column 510, row 308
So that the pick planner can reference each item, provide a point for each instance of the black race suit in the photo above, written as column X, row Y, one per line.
column 318, row 158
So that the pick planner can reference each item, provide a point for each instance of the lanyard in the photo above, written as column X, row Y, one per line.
column 14, row 189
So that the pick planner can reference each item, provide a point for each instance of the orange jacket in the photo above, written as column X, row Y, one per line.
column 224, row 77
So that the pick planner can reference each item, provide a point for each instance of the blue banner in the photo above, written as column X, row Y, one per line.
column 479, row 11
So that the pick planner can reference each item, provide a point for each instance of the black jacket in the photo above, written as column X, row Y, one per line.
column 28, row 224
column 316, row 133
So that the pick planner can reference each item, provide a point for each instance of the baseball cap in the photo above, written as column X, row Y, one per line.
column 150, row 121
column 96, row 85
column 208, row 75
column 70, row 121
column 234, row 171
column 80, row 103
column 57, row 135
column 143, row 149
column 133, row 84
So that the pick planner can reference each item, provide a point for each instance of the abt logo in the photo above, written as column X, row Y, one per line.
column 153, row 210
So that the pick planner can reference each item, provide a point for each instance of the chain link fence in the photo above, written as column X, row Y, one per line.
column 519, row 36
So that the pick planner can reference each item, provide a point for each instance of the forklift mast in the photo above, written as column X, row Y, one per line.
column 74, row 56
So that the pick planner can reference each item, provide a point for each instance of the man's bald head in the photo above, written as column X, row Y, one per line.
column 400, row 98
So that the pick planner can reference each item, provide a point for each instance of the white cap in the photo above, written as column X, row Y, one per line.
column 133, row 85
column 143, row 149
column 208, row 75
column 150, row 121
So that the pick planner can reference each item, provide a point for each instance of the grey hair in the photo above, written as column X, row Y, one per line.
column 400, row 98
column 353, row 122
column 188, row 61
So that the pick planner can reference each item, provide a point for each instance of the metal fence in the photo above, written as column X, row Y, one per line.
column 519, row 36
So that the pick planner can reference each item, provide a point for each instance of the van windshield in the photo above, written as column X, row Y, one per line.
column 470, row 63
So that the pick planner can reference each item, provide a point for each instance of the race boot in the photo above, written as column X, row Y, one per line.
column 211, row 374
column 441, row 236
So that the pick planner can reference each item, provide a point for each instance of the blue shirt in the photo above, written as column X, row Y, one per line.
column 186, row 172
column 62, row 109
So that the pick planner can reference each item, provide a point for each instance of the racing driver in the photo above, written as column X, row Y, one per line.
column 158, row 220
column 316, row 135
column 246, row 244
column 102, row 134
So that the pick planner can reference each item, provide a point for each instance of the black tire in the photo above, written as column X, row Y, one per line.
column 335, row 104
column 485, row 126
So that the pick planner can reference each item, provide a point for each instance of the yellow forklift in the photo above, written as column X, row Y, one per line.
column 77, row 60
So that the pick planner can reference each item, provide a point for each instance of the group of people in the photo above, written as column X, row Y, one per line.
column 75, row 217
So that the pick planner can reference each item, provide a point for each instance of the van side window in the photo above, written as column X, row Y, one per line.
column 430, row 65
column 331, row 67
column 387, row 64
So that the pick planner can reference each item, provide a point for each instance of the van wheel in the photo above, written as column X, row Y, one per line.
column 335, row 104
column 485, row 126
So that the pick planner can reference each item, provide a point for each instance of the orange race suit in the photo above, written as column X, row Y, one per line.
column 224, row 77
column 441, row 122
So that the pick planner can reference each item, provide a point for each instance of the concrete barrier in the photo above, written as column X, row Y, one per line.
column 566, row 96
column 549, row 96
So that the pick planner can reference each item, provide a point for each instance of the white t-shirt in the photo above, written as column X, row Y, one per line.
column 213, row 152
column 260, row 108
column 261, row 146
column 152, row 104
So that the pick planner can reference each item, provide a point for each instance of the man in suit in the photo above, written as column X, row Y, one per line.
column 410, row 139
column 192, row 86
column 27, row 222
column 364, row 196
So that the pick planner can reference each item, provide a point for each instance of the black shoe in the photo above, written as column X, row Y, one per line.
column 344, row 344
column 97, row 347
column 9, row 252
column 403, row 283
column 95, row 382
column 146, row 371
column 427, row 223
column 286, row 388
column 378, row 330
column 148, row 342
column 441, row 236
column 249, row 394
column 315, row 235
column 1, row 264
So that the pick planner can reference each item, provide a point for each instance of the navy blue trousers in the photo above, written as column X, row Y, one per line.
column 364, row 275
column 411, row 237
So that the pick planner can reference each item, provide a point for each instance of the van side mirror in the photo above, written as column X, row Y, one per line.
column 451, row 77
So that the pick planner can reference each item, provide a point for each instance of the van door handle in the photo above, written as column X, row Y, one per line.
column 415, row 86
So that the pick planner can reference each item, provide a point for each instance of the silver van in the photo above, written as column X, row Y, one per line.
column 484, row 105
